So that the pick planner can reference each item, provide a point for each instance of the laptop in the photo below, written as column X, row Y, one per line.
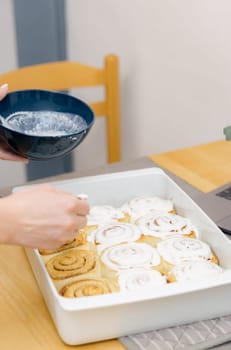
column 217, row 205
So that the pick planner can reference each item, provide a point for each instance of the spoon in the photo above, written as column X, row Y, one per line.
column 2, row 120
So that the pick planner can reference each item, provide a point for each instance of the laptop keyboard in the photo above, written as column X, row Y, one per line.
column 225, row 193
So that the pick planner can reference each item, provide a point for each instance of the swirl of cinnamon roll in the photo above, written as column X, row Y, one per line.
column 117, row 233
column 88, row 287
column 103, row 214
column 178, row 249
column 160, row 224
column 125, row 256
column 194, row 271
column 140, row 206
column 134, row 279
column 80, row 239
column 71, row 263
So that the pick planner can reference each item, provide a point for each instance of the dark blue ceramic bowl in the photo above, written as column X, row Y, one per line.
column 37, row 147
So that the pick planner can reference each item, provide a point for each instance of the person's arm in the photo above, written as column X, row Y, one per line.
column 41, row 217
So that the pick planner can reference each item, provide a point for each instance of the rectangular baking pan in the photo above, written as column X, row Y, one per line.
column 95, row 318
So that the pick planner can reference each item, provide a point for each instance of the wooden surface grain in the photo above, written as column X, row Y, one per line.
column 204, row 166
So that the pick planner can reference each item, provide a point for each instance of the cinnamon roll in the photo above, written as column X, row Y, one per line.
column 134, row 279
column 80, row 239
column 74, row 262
column 129, row 255
column 88, row 287
column 162, row 225
column 194, row 271
column 140, row 206
column 176, row 250
column 116, row 233
column 103, row 215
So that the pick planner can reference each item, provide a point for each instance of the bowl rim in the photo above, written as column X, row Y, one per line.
column 83, row 131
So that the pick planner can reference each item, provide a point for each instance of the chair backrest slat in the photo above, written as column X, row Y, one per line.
column 99, row 108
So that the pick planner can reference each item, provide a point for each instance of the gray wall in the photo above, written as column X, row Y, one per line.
column 41, row 37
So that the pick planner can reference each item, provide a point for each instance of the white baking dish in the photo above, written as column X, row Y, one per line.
column 89, row 319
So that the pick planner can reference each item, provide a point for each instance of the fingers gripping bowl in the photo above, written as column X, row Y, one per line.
column 41, row 124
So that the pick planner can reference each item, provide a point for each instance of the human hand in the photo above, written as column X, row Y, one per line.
column 6, row 153
column 3, row 91
column 41, row 217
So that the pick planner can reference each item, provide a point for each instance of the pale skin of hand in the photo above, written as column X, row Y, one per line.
column 41, row 216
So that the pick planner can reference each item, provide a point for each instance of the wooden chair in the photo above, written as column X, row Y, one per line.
column 64, row 75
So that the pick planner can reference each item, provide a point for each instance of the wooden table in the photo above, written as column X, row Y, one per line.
column 205, row 166
column 25, row 323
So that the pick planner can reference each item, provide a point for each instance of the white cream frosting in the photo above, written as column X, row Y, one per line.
column 128, row 255
column 134, row 279
column 196, row 270
column 162, row 225
column 103, row 214
column 178, row 249
column 116, row 233
column 140, row 206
